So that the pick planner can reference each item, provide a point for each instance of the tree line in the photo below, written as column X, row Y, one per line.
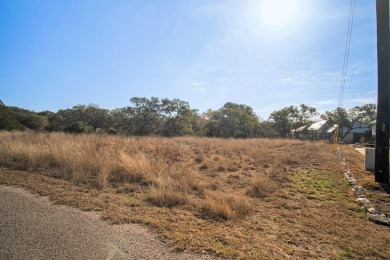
column 175, row 117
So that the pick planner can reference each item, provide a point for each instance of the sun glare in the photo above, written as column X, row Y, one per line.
column 278, row 14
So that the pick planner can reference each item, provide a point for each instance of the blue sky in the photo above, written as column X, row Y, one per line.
column 268, row 55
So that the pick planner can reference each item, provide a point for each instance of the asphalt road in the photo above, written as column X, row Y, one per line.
column 31, row 227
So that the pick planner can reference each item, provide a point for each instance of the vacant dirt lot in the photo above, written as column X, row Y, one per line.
column 246, row 199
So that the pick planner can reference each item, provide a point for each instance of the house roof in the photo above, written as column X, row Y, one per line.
column 299, row 129
column 331, row 130
column 359, row 128
column 302, row 128
column 317, row 126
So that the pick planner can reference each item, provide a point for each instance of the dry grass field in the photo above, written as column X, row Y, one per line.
column 245, row 199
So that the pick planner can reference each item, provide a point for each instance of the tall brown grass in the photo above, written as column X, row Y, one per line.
column 242, row 199
column 170, row 172
column 224, row 206
column 262, row 187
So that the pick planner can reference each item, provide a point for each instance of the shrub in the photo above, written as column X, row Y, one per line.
column 262, row 187
column 166, row 197
column 218, row 205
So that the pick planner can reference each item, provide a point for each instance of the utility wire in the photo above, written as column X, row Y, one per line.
column 346, row 53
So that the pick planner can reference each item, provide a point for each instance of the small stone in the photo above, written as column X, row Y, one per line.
column 359, row 191
column 363, row 201
column 379, row 219
column 373, row 211
column 352, row 182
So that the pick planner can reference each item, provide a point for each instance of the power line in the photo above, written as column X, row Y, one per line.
column 346, row 52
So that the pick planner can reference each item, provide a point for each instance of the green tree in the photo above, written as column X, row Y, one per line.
column 232, row 120
column 154, row 116
column 78, row 119
column 266, row 129
column 281, row 122
column 120, row 120
column 178, row 117
column 51, row 117
column 144, row 115
column 199, row 124
column 94, row 116
column 7, row 121
column 301, row 115
column 28, row 118
column 350, row 119
column 291, row 118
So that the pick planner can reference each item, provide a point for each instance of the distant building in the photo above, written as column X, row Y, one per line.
column 330, row 133
column 323, row 130
column 318, row 130
column 300, row 132
column 358, row 131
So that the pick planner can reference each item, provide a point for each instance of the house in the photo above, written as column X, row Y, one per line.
column 300, row 132
column 318, row 130
column 331, row 132
column 358, row 131
column 325, row 131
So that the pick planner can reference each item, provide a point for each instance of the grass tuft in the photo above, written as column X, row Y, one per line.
column 262, row 187
column 218, row 205
column 166, row 197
